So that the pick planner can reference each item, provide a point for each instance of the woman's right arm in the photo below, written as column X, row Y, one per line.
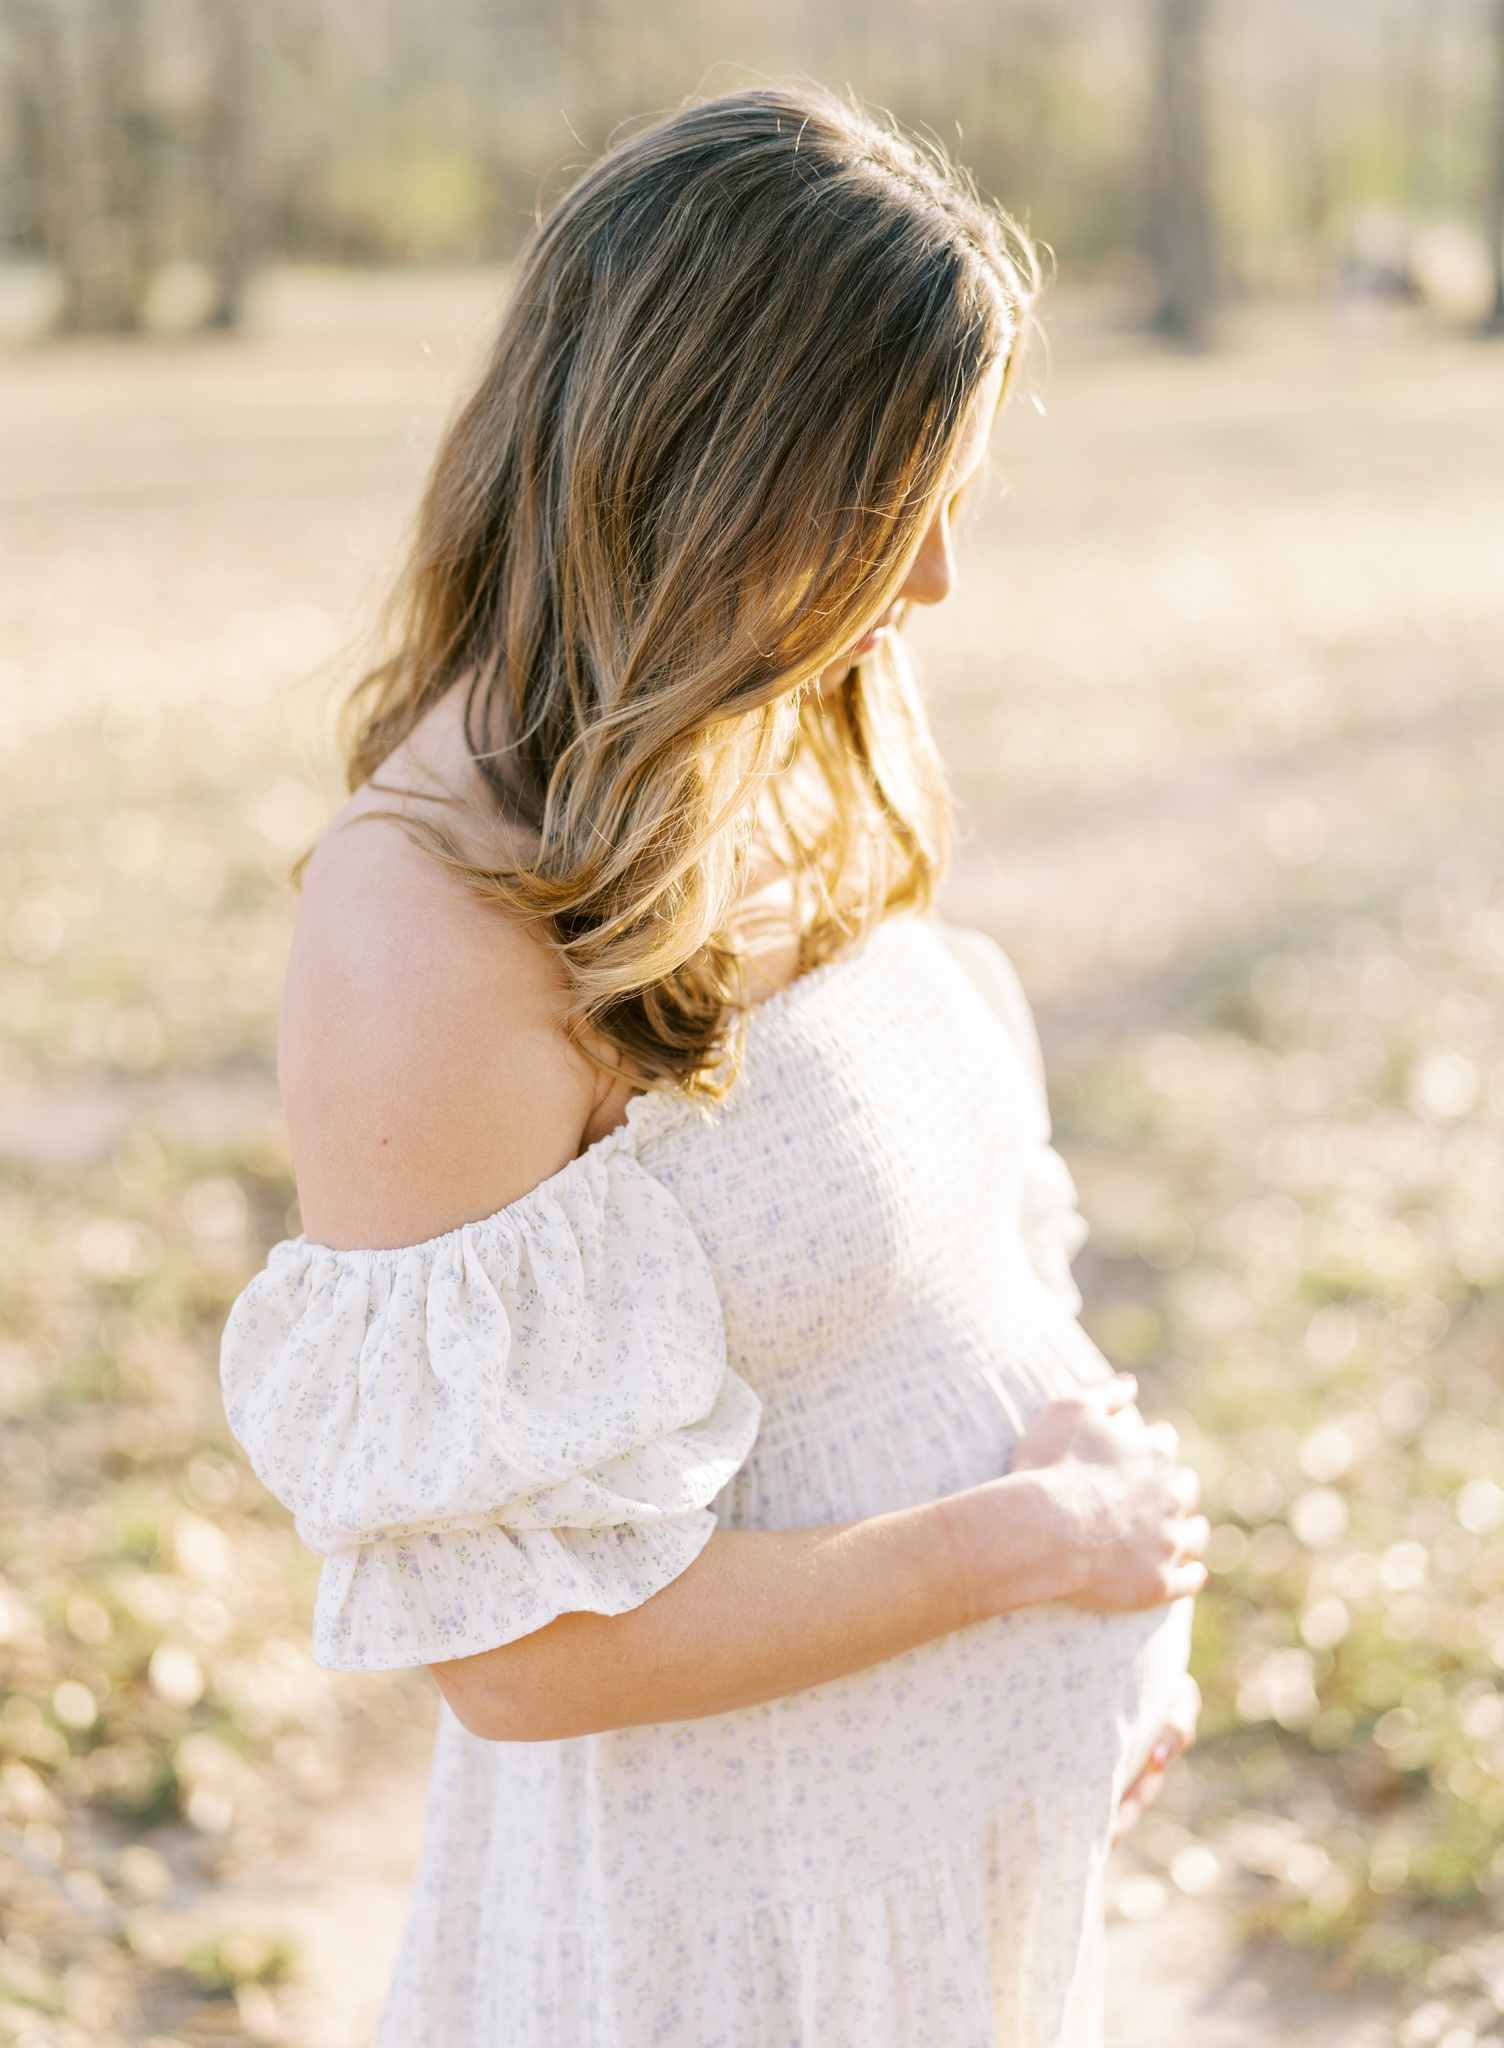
column 428, row 1084
column 1095, row 1512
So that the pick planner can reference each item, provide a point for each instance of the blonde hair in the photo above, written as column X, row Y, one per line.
column 728, row 387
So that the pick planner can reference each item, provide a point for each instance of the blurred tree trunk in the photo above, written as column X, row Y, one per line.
column 44, row 109
column 1182, row 216
column 81, row 69
column 1493, row 215
column 228, row 154
column 116, row 253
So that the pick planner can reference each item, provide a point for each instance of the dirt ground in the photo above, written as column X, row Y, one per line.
column 1227, row 647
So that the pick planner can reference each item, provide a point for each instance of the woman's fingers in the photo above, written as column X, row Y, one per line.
column 1116, row 1394
column 1179, row 1731
column 1187, row 1488
column 1185, row 1581
column 1173, row 1740
column 1141, row 1795
column 1185, row 1709
column 1186, row 1575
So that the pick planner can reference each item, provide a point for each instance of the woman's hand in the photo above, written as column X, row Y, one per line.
column 1174, row 1739
column 1130, row 1537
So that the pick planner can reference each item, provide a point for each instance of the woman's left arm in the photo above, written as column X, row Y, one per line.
column 1173, row 1740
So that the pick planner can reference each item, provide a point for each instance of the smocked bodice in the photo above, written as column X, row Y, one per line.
column 888, row 1233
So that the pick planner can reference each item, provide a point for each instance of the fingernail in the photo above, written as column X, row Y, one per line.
column 1161, row 1754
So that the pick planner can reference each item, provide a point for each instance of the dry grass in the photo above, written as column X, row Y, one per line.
column 1223, row 696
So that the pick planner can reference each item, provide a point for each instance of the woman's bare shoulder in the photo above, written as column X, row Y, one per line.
column 425, row 1072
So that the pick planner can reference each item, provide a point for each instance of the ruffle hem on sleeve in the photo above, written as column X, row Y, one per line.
column 524, row 1418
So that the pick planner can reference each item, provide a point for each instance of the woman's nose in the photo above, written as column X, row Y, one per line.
column 932, row 574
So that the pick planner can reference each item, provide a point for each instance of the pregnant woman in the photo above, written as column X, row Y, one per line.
column 681, row 1360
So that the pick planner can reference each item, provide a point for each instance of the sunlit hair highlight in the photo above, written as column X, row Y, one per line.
column 728, row 387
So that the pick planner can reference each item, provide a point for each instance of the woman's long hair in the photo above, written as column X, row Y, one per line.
column 729, row 384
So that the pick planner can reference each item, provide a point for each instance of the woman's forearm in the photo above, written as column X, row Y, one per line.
column 762, row 1614
column 1094, row 1510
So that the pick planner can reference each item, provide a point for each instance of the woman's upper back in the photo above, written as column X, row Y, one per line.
column 424, row 1069
column 426, row 1072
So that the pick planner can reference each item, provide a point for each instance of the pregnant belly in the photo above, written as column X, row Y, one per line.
column 908, row 1754
column 837, row 1788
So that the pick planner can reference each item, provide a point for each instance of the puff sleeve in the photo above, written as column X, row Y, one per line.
column 1051, row 1223
column 526, row 1417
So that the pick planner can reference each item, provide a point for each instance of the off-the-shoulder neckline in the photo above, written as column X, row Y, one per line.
column 649, row 1105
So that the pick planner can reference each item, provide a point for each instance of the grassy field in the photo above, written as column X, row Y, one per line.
column 1222, row 692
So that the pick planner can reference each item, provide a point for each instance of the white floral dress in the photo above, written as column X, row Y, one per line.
column 846, row 1291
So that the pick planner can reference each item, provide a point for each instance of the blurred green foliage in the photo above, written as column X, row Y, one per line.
column 162, row 1722
column 1298, row 1221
